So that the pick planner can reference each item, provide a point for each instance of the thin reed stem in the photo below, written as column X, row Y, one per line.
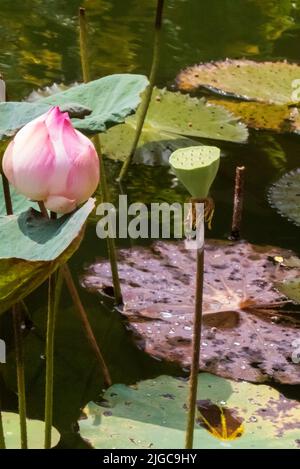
column 142, row 113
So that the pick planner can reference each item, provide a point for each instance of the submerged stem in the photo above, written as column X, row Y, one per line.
column 148, row 93
column 54, row 294
column 193, row 383
column 19, row 346
column 111, row 246
column 85, row 322
column 82, row 315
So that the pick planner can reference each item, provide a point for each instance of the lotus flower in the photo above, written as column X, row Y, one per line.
column 50, row 161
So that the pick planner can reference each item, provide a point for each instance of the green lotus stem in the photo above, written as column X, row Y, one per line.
column 148, row 93
column 83, row 40
column 54, row 294
column 19, row 346
column 2, row 438
column 18, row 340
column 111, row 247
column 7, row 197
column 193, row 383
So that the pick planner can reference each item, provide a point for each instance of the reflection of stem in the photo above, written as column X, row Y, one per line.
column 54, row 293
column 19, row 345
column 111, row 247
column 193, row 384
column 2, row 438
column 18, row 340
column 84, row 320
column 148, row 93
column 83, row 316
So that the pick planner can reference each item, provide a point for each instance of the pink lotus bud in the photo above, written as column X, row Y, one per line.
column 50, row 161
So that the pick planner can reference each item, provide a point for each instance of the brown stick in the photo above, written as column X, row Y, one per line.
column 238, row 203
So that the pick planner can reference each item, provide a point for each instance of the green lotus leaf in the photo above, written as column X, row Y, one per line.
column 290, row 289
column 268, row 82
column 153, row 415
column 173, row 121
column 154, row 148
column 35, row 432
column 110, row 100
column 33, row 247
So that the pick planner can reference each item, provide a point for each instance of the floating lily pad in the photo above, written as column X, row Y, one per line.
column 172, row 116
column 263, row 116
column 33, row 247
column 153, row 415
column 110, row 100
column 35, row 431
column 291, row 289
column 284, row 195
column 154, row 148
column 37, row 95
column 268, row 82
column 247, row 331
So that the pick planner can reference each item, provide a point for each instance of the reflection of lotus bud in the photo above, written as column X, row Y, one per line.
column 196, row 168
column 50, row 161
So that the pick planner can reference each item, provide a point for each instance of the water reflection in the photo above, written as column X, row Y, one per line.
column 39, row 37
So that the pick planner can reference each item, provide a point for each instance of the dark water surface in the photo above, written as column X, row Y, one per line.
column 39, row 46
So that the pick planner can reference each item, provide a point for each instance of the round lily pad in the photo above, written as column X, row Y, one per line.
column 153, row 415
column 284, row 195
column 247, row 327
column 173, row 120
column 35, row 430
column 268, row 82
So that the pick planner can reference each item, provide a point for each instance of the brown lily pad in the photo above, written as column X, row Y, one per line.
column 263, row 116
column 248, row 330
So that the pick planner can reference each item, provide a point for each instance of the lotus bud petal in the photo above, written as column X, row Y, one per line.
column 50, row 161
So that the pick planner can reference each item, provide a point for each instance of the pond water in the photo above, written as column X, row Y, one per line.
column 39, row 46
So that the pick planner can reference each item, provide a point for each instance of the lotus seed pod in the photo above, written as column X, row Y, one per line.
column 196, row 168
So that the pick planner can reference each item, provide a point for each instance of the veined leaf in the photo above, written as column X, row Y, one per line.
column 267, row 82
column 110, row 100
column 33, row 247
